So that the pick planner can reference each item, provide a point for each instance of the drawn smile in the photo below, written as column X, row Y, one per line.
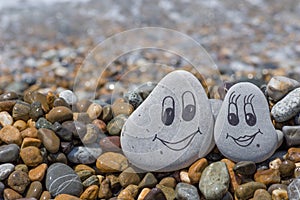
column 245, row 140
column 178, row 145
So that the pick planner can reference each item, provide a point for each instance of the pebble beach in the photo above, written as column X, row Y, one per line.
column 69, row 102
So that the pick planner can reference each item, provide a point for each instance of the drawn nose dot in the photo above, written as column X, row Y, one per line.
column 258, row 145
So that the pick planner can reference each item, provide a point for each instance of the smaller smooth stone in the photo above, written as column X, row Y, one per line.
column 10, row 194
column 39, row 97
column 9, row 153
column 277, row 186
column 115, row 126
column 168, row 192
column 20, row 125
column 293, row 154
column 168, row 182
column 57, row 158
column 196, row 170
column 61, row 179
column 245, row 168
column 94, row 111
column 111, row 162
column 5, row 118
column 45, row 196
column 43, row 123
column 90, row 193
column 8, row 96
column 274, row 164
column 235, row 180
column 291, row 135
column 35, row 190
column 68, row 96
column 156, row 194
column 60, row 102
column 107, row 114
column 66, row 197
column 129, row 176
column 214, row 181
column 36, row 111
column 21, row 167
column 21, row 111
column 50, row 140
column 18, row 181
column 30, row 132
column 247, row 190
column 59, row 114
column 124, row 108
column 10, row 135
column 149, row 181
column 104, row 190
column 268, row 176
column 111, row 143
column 7, row 105
column 82, row 167
column 31, row 142
column 5, row 170
column 186, row 191
column 92, row 180
column 262, row 194
column 31, row 156
column 280, row 194
column 143, row 193
column 287, row 168
column 134, row 98
column 84, row 155
column 100, row 124
column 279, row 86
column 287, row 107
column 130, row 192
column 38, row 173
column 184, row 177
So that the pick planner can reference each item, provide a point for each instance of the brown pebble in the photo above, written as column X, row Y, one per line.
column 235, row 180
column 20, row 125
column 130, row 192
column 143, row 194
column 94, row 111
column 104, row 190
column 66, row 197
column 38, row 173
column 30, row 132
column 50, row 140
column 128, row 177
column 168, row 191
column 280, row 194
column 268, row 176
column 35, row 190
column 121, row 108
column 262, row 194
column 60, row 102
column 18, row 181
column 31, row 156
column 287, row 168
column 31, row 142
column 31, row 123
column 111, row 143
column 293, row 154
column 107, row 114
column 196, row 170
column 156, row 194
column 100, row 124
column 8, row 96
column 45, row 196
column 247, row 190
column 168, row 182
column 274, row 164
column 90, row 193
column 21, row 111
column 111, row 162
column 82, row 167
column 59, row 114
column 5, row 118
column 7, row 105
column 149, row 180
column 21, row 167
column 10, row 194
column 10, row 135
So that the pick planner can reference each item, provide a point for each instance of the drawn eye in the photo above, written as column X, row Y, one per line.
column 233, row 115
column 189, row 110
column 250, row 115
column 168, row 110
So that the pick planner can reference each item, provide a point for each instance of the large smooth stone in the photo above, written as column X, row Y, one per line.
column 9, row 153
column 61, row 179
column 214, row 182
column 172, row 128
column 243, row 127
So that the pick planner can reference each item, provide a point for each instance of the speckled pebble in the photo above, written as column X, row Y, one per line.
column 36, row 111
column 10, row 194
column 9, row 153
column 134, row 98
column 18, row 180
column 5, row 170
column 124, row 108
column 94, row 111
column 43, row 123
column 281, row 194
column 186, row 191
column 21, row 111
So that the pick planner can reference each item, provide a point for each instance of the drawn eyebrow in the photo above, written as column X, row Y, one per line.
column 249, row 98
column 232, row 96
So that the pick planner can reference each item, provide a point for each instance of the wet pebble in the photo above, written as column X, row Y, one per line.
column 9, row 153
column 59, row 114
column 235, row 180
column 245, row 168
column 5, row 170
column 45, row 196
column 31, row 142
column 43, row 123
column 281, row 194
column 94, row 111
column 5, row 118
column 196, row 169
column 18, row 181
column 84, row 155
column 31, row 156
column 247, row 190
column 274, row 164
column 111, row 162
column 186, row 191
column 21, row 111
column 115, row 126
column 107, row 113
column 11, row 135
column 49, row 139
column 38, row 173
column 92, row 180
column 168, row 182
column 35, row 190
column 293, row 154
column 8, row 96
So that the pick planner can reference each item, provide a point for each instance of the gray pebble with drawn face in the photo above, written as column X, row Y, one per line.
column 243, row 129
column 172, row 128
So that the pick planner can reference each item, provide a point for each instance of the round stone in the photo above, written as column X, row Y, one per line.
column 149, row 180
column 214, row 181
column 245, row 168
column 20, row 125
column 50, row 140
column 9, row 153
column 5, row 118
column 11, row 135
column 115, row 126
column 262, row 194
column 59, row 114
column 45, row 195
column 111, row 162
column 94, row 111
column 124, row 108
column 43, row 123
column 35, row 190
column 61, row 179
column 31, row 156
column 21, row 111
column 18, row 181
column 38, row 173
column 5, row 170
column 186, row 191
column 10, row 194
column 84, row 155
column 287, row 168
column 293, row 154
column 247, row 190
column 90, row 193
column 129, row 176
column 68, row 96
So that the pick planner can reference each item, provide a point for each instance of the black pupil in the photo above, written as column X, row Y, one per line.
column 168, row 116
column 233, row 119
column 250, row 119
column 189, row 112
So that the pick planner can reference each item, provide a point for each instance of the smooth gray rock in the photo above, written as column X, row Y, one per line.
column 214, row 181
column 84, row 155
column 172, row 128
column 288, row 107
column 9, row 153
column 243, row 127
column 293, row 189
column 291, row 135
column 61, row 179
column 5, row 170
column 279, row 86
column 186, row 191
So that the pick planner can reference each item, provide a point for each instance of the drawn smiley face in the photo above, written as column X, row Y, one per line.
column 243, row 129
column 172, row 128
